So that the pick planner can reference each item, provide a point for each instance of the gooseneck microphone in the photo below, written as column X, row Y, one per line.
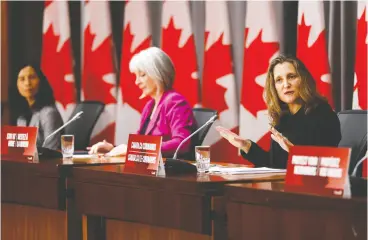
column 45, row 153
column 62, row 127
column 211, row 120
column 354, row 173
column 176, row 166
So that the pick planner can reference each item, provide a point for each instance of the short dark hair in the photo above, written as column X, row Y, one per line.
column 19, row 105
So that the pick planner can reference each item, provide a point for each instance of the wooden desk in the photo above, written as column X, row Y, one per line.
column 36, row 199
column 150, row 207
column 266, row 211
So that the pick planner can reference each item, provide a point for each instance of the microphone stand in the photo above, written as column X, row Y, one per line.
column 44, row 152
column 77, row 116
column 358, row 165
column 174, row 165
column 358, row 185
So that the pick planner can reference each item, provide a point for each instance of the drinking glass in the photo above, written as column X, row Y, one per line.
column 202, row 154
column 67, row 145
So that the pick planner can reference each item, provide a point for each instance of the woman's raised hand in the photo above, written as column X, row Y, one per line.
column 234, row 139
column 100, row 147
column 280, row 139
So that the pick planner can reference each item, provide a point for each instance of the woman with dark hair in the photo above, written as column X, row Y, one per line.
column 298, row 115
column 32, row 103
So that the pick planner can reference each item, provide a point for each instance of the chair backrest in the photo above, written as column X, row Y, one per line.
column 353, row 125
column 202, row 115
column 82, row 127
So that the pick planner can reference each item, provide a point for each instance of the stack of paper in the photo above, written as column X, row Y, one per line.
column 243, row 170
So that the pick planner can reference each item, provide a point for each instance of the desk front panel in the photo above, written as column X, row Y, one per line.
column 175, row 202
column 258, row 211
column 32, row 184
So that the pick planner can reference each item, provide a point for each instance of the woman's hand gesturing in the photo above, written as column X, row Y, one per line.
column 280, row 139
column 234, row 139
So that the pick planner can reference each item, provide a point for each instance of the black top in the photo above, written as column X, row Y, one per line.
column 145, row 125
column 320, row 127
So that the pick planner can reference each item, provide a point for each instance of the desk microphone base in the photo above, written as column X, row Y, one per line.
column 177, row 166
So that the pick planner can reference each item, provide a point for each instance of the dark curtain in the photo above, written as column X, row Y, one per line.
column 341, row 35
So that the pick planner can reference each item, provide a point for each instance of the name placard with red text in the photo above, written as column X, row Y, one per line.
column 319, row 170
column 143, row 154
column 18, row 143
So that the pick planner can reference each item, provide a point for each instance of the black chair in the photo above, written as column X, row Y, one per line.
column 82, row 127
column 354, row 135
column 202, row 115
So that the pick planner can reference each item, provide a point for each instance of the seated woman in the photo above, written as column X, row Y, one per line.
column 167, row 114
column 32, row 104
column 298, row 114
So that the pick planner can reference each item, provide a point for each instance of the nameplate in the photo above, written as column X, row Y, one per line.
column 318, row 170
column 144, row 155
column 18, row 143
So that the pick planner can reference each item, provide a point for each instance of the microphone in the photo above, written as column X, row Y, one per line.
column 211, row 120
column 173, row 165
column 358, row 185
column 358, row 164
column 62, row 127
column 44, row 152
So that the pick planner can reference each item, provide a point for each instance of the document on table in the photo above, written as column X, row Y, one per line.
column 83, row 156
column 242, row 170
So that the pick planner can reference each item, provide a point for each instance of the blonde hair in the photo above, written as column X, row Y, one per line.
column 156, row 64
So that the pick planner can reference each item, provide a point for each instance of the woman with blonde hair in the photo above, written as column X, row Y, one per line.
column 298, row 114
column 167, row 114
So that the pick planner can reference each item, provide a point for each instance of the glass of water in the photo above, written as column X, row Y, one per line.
column 67, row 145
column 202, row 154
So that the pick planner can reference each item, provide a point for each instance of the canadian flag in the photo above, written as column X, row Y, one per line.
column 219, row 87
column 98, row 76
column 260, row 47
column 136, row 37
column 178, row 43
column 57, row 60
column 312, row 42
column 360, row 78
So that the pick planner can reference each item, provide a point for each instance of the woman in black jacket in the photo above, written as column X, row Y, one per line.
column 298, row 115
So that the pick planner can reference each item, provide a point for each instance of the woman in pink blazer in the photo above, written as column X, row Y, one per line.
column 167, row 114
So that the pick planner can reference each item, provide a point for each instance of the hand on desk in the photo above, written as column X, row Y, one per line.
column 108, row 149
column 117, row 151
column 100, row 147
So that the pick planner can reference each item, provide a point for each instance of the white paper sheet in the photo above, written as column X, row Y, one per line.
column 242, row 170
column 83, row 156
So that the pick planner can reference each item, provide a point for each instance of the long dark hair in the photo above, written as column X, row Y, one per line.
column 308, row 90
column 19, row 105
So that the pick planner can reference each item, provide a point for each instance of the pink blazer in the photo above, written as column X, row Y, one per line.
column 174, row 121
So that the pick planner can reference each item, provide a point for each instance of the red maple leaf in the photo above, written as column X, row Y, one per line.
column 184, row 59
column 217, row 63
column 56, row 65
column 97, row 63
column 108, row 134
column 256, row 61
column 361, row 61
column 130, row 92
column 317, row 66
